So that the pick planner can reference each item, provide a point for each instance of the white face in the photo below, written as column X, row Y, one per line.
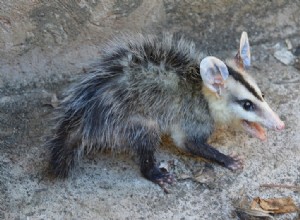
column 234, row 96
column 249, row 109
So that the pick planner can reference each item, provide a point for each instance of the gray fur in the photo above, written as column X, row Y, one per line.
column 140, row 89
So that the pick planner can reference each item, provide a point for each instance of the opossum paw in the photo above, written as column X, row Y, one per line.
column 167, row 178
column 236, row 163
column 164, row 178
column 160, row 177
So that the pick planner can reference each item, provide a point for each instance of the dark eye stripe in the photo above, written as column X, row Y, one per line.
column 238, row 77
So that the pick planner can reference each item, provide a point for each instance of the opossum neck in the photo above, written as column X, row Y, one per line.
column 218, row 107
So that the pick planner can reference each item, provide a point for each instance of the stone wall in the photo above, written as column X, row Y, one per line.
column 41, row 41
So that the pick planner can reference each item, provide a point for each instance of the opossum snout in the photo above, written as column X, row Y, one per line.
column 280, row 126
column 274, row 121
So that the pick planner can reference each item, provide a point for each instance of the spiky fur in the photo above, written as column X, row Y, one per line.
column 140, row 88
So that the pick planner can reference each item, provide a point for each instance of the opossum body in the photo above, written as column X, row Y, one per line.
column 141, row 88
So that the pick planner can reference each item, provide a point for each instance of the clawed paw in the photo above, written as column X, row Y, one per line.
column 163, row 180
column 237, row 162
column 160, row 177
column 165, row 177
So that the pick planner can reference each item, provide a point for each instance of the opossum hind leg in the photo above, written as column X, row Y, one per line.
column 145, row 140
column 64, row 154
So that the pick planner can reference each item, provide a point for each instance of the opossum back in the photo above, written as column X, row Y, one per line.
column 150, row 80
column 140, row 67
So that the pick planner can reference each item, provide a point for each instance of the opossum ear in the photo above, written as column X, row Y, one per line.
column 213, row 73
column 243, row 57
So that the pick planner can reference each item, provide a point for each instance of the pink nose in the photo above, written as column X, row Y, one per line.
column 280, row 126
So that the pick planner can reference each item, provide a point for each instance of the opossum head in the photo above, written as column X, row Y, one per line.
column 233, row 95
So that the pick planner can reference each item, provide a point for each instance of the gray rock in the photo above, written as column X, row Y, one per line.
column 284, row 56
column 44, row 44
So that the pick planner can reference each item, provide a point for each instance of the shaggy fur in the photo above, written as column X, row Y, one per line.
column 140, row 89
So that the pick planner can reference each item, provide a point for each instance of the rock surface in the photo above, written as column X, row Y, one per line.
column 44, row 45
column 284, row 55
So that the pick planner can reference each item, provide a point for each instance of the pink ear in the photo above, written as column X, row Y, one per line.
column 213, row 72
column 243, row 57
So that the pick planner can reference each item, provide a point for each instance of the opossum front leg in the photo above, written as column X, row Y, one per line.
column 197, row 147
column 151, row 171
column 145, row 140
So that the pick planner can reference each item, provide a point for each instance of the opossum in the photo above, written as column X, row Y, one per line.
column 143, row 87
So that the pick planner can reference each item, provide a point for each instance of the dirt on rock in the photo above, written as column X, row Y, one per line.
column 46, row 45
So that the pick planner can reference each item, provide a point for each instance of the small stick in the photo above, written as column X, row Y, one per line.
column 296, row 188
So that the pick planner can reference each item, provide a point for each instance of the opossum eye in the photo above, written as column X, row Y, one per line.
column 263, row 95
column 248, row 105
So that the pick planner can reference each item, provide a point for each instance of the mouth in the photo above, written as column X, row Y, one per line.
column 254, row 129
